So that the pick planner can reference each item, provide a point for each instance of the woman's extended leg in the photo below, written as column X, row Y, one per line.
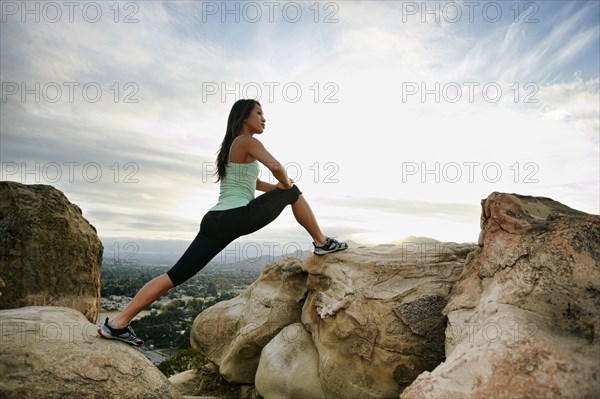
column 149, row 293
column 305, row 216
column 119, row 327
column 198, row 254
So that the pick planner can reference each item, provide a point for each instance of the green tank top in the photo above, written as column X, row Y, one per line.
column 238, row 186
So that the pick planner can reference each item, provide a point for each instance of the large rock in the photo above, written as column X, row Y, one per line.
column 524, row 318
column 55, row 352
column 49, row 254
column 289, row 366
column 375, row 314
column 232, row 333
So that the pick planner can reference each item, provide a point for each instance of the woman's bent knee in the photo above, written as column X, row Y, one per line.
column 297, row 193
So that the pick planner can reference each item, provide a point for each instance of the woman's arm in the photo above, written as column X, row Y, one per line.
column 260, row 153
column 264, row 186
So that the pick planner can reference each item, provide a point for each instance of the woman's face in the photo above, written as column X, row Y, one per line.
column 255, row 122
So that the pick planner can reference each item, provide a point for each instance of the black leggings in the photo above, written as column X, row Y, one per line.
column 219, row 228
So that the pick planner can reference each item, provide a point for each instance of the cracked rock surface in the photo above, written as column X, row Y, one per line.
column 524, row 318
column 375, row 314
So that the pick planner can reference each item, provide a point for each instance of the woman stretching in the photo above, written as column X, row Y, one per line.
column 237, row 213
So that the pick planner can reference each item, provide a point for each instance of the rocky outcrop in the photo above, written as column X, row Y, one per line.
column 49, row 254
column 370, row 324
column 233, row 333
column 524, row 318
column 55, row 352
column 515, row 316
column 375, row 315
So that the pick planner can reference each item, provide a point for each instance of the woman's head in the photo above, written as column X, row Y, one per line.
column 238, row 114
column 240, row 111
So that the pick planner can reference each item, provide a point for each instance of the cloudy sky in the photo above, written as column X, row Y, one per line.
column 395, row 118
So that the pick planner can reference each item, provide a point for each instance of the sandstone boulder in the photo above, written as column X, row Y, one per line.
column 524, row 318
column 233, row 333
column 375, row 314
column 289, row 366
column 55, row 352
column 49, row 253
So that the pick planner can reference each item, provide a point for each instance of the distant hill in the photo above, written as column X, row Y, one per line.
column 354, row 244
column 414, row 239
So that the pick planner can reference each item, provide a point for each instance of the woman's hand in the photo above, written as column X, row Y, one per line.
column 283, row 186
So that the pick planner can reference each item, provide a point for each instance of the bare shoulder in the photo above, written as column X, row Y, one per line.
column 245, row 143
column 257, row 150
column 251, row 142
column 247, row 149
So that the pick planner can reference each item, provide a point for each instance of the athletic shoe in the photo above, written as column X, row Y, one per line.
column 122, row 334
column 331, row 245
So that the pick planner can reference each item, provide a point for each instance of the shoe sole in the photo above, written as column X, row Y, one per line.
column 108, row 336
column 329, row 252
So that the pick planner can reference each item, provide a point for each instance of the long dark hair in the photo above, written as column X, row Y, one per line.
column 239, row 112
